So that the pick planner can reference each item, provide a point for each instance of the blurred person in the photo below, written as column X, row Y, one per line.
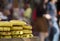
column 10, row 17
column 52, row 11
column 27, row 12
column 3, row 13
column 59, row 23
column 2, row 17
column 16, row 13
column 9, row 7
column 7, row 13
column 21, row 13
column 59, row 18
column 35, row 32
column 15, row 9
column 59, row 12
column 40, row 21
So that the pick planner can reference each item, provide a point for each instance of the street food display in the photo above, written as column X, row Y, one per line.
column 15, row 29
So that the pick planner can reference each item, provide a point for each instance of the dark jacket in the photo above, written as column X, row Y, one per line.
column 40, row 11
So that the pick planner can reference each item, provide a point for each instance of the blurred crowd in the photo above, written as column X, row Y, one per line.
column 41, row 14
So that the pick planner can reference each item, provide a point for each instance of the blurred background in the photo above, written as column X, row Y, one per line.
column 16, row 9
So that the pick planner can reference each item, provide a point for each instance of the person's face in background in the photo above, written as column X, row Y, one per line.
column 26, row 5
column 54, row 1
column 45, row 1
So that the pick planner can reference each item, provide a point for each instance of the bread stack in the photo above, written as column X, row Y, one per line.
column 20, row 29
column 17, row 28
column 5, row 29
column 27, row 30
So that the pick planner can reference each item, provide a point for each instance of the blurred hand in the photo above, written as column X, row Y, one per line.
column 59, row 12
column 47, row 16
